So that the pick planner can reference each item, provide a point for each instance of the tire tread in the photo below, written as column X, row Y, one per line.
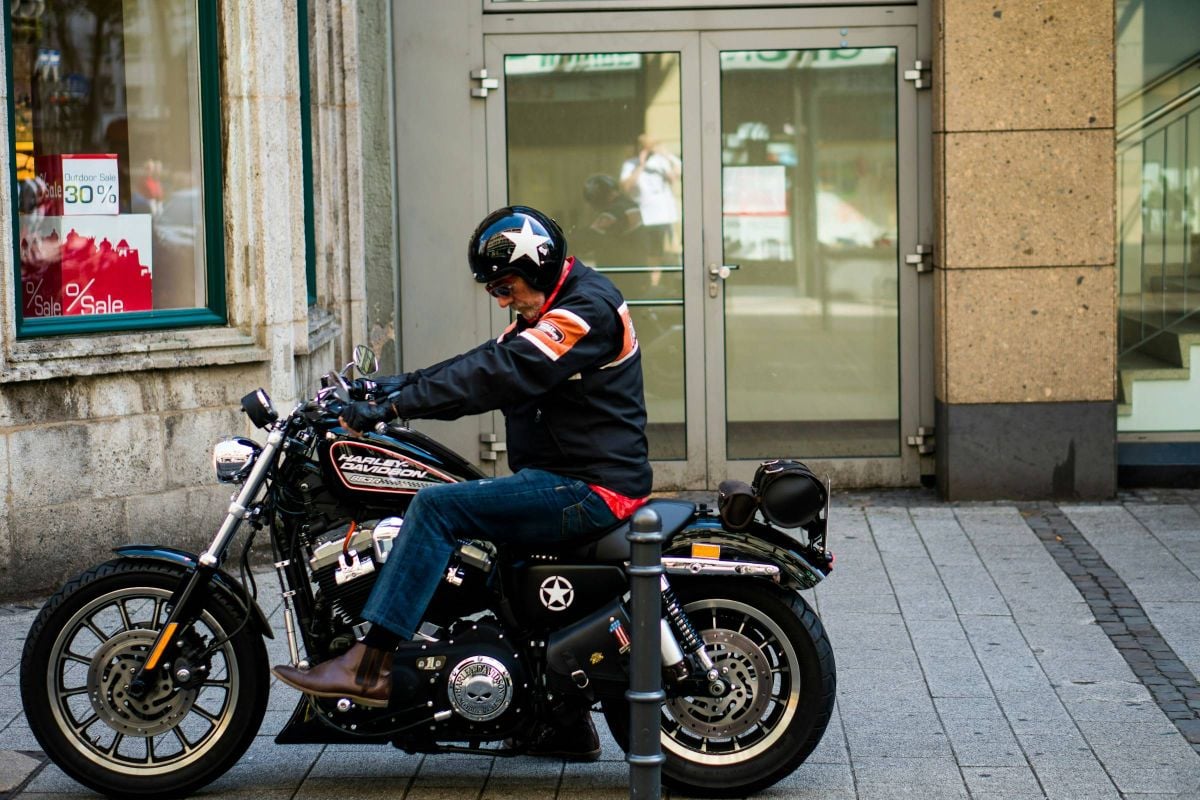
column 256, row 684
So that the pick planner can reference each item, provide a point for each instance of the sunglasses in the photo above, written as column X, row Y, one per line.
column 500, row 288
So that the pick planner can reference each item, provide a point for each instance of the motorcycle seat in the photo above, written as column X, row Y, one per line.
column 612, row 544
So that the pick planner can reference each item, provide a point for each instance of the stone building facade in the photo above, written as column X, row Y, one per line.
column 106, row 438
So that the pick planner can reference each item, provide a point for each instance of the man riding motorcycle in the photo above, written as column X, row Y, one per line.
column 567, row 375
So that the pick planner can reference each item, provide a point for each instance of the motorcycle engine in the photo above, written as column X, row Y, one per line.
column 346, row 571
column 474, row 673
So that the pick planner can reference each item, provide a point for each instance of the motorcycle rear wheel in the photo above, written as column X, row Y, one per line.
column 87, row 642
column 773, row 651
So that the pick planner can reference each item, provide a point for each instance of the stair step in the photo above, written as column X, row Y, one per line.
column 1171, row 347
column 1140, row 366
column 1148, row 367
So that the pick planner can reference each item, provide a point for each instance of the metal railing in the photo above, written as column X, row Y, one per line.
column 1158, row 201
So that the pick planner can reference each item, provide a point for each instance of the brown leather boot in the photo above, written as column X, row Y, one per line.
column 362, row 674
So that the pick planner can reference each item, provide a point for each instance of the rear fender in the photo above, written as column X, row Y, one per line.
column 760, row 543
column 189, row 562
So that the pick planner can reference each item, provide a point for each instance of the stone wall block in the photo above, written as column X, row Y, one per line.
column 208, row 503
column 126, row 456
column 1013, row 64
column 49, row 465
column 939, row 199
column 6, row 504
column 218, row 387
column 155, row 518
column 1030, row 335
column 251, row 30
column 938, row 99
column 8, row 568
column 1027, row 451
column 43, row 402
column 59, row 541
column 939, row 333
column 1025, row 199
column 119, row 396
column 189, row 441
column 183, row 518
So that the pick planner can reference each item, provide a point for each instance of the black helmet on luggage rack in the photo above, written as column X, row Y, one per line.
column 518, row 240
column 789, row 494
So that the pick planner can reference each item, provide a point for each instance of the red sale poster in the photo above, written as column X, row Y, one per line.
column 41, row 266
column 87, row 265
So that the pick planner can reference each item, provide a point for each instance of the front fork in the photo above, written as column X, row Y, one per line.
column 187, row 601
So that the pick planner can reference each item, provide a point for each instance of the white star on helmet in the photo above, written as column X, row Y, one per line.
column 525, row 243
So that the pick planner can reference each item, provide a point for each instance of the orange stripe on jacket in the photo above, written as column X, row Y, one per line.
column 557, row 332
column 630, row 345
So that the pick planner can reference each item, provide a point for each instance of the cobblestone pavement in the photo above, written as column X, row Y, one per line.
column 992, row 651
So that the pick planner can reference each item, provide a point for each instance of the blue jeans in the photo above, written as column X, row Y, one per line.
column 533, row 507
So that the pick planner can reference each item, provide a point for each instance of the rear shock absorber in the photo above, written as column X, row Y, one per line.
column 686, row 632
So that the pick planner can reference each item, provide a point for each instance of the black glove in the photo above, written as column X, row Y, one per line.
column 386, row 384
column 362, row 388
column 363, row 416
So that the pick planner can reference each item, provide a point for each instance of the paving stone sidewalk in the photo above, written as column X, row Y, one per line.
column 993, row 652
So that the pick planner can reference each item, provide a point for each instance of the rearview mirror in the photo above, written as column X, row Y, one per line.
column 365, row 360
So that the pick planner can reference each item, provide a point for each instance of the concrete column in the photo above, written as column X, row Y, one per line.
column 1025, row 270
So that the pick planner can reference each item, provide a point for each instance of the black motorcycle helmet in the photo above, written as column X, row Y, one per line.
column 599, row 189
column 518, row 240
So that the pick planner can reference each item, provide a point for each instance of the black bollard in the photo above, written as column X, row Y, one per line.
column 645, row 693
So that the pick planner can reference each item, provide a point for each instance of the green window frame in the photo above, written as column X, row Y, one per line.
column 310, row 226
column 215, row 310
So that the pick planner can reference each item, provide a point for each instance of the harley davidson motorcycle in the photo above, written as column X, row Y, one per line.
column 147, row 676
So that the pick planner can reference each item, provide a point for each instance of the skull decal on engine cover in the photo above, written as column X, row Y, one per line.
column 480, row 688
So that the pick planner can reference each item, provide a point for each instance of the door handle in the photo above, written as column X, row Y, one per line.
column 721, row 272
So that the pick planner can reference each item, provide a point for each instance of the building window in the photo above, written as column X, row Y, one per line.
column 114, row 125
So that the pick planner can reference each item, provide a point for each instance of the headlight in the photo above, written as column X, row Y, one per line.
column 259, row 409
column 233, row 459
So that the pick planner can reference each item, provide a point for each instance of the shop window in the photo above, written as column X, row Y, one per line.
column 113, row 109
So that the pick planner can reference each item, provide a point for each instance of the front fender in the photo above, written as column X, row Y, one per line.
column 761, row 543
column 225, row 584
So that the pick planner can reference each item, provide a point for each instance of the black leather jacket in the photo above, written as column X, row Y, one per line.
column 569, row 385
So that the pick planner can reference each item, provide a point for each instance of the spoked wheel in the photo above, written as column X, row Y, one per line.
column 772, row 652
column 84, row 649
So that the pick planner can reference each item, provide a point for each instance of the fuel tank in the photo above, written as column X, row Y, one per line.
column 383, row 469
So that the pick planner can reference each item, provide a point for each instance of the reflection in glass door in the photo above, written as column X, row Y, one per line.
column 744, row 190
column 809, row 262
column 594, row 139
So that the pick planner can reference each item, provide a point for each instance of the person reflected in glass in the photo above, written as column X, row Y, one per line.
column 615, row 237
column 650, row 177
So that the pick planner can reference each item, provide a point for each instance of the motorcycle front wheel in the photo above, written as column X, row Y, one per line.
column 88, row 642
column 772, row 651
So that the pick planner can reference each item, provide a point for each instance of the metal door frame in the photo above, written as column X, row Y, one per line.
column 675, row 474
column 693, row 33
column 905, row 468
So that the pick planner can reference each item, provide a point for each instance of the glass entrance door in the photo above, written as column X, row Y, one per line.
column 592, row 130
column 805, row 294
column 744, row 190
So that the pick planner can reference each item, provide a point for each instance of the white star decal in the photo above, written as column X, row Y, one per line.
column 525, row 243
column 557, row 593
